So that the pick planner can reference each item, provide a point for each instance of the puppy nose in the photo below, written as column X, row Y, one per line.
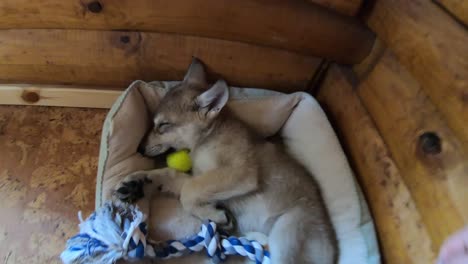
column 141, row 149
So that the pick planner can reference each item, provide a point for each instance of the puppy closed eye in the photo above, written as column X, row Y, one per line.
column 163, row 127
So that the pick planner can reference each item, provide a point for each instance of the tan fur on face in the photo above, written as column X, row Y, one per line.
column 182, row 133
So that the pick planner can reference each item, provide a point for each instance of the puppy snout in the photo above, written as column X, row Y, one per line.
column 154, row 150
column 141, row 148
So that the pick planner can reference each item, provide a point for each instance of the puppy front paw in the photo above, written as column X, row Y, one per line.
column 131, row 189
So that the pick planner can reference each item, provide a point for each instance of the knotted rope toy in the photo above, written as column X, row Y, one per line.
column 118, row 231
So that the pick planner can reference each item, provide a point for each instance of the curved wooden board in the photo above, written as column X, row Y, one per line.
column 112, row 58
column 434, row 172
column 345, row 7
column 433, row 47
column 458, row 8
column 292, row 25
column 403, row 236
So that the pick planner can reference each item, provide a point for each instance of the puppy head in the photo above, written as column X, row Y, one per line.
column 186, row 112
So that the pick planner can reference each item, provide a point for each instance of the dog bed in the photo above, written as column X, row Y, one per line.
column 306, row 134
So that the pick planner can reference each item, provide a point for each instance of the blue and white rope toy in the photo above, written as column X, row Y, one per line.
column 116, row 232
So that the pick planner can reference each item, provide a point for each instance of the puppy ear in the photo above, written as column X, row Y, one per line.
column 196, row 74
column 213, row 100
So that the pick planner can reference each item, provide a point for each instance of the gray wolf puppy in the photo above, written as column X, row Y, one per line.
column 265, row 189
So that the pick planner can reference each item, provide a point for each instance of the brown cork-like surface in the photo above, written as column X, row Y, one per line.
column 48, row 164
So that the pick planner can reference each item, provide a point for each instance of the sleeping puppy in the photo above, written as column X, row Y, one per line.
column 265, row 189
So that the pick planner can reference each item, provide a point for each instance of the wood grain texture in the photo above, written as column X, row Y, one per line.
column 361, row 70
column 433, row 47
column 48, row 95
column 436, row 178
column 458, row 8
column 345, row 7
column 48, row 166
column 107, row 58
column 292, row 25
column 403, row 236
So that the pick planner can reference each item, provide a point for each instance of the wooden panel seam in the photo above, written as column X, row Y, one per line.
column 346, row 7
column 457, row 9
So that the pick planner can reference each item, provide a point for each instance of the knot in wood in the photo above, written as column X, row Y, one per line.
column 125, row 39
column 95, row 7
column 430, row 143
column 30, row 96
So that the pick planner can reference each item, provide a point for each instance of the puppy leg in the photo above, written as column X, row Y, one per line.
column 200, row 194
column 295, row 238
column 285, row 240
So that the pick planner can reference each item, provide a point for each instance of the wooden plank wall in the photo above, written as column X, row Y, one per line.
column 430, row 156
column 403, row 235
column 113, row 58
column 293, row 25
column 432, row 46
column 257, row 43
column 402, row 116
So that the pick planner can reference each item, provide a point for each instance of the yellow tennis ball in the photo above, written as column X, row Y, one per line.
column 179, row 160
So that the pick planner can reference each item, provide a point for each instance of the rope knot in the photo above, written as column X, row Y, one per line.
column 212, row 241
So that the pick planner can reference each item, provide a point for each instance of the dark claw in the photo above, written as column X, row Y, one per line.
column 123, row 191
column 131, row 191
column 231, row 225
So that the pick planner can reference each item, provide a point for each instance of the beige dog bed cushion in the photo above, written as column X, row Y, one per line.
column 306, row 133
